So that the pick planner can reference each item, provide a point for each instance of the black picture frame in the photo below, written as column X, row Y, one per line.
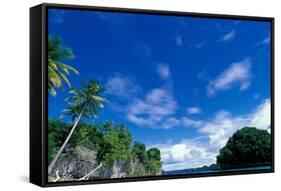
column 39, row 92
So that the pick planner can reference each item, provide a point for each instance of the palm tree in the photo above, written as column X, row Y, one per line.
column 73, row 111
column 57, row 71
column 84, row 102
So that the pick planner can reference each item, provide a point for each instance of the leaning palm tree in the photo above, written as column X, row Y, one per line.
column 74, row 111
column 85, row 102
column 58, row 71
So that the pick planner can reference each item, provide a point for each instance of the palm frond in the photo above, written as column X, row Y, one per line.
column 89, row 98
column 57, row 70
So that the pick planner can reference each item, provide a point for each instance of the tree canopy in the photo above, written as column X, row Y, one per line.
column 247, row 147
column 57, row 70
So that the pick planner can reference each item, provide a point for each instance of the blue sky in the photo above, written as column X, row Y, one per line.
column 183, row 84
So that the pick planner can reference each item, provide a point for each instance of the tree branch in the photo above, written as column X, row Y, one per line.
column 57, row 176
column 86, row 177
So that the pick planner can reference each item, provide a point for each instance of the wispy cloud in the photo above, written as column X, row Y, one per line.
column 203, row 75
column 237, row 22
column 118, row 20
column 121, row 86
column 263, row 42
column 181, row 37
column 139, row 48
column 163, row 70
column 153, row 109
column 236, row 73
column 157, row 110
column 172, row 122
column 119, row 24
column 56, row 15
column 256, row 95
column 228, row 36
column 179, row 40
column 200, row 44
column 193, row 110
column 187, row 122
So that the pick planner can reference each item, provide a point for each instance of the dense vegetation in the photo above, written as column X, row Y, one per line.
column 105, row 145
column 247, row 147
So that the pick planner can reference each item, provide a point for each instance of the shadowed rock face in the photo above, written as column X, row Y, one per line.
column 75, row 162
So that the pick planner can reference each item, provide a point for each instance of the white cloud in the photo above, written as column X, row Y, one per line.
column 121, row 86
column 157, row 105
column 256, row 95
column 263, row 42
column 193, row 110
column 163, row 70
column 180, row 122
column 185, row 154
column 261, row 117
column 179, row 40
column 202, row 150
column 139, row 49
column 237, row 22
column 200, row 44
column 150, row 121
column 228, row 36
column 223, row 125
column 118, row 20
column 170, row 123
column 187, row 122
column 236, row 73
column 156, row 112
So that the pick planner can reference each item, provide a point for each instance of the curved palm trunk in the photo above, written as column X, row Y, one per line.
column 52, row 164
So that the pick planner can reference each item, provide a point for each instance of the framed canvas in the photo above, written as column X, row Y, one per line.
column 121, row 95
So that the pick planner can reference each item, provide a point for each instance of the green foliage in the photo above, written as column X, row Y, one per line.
column 154, row 154
column 87, row 136
column 150, row 159
column 57, row 70
column 247, row 147
column 116, row 145
column 86, row 100
column 111, row 143
column 153, row 163
column 74, row 111
column 57, row 131
column 139, row 152
column 153, row 167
